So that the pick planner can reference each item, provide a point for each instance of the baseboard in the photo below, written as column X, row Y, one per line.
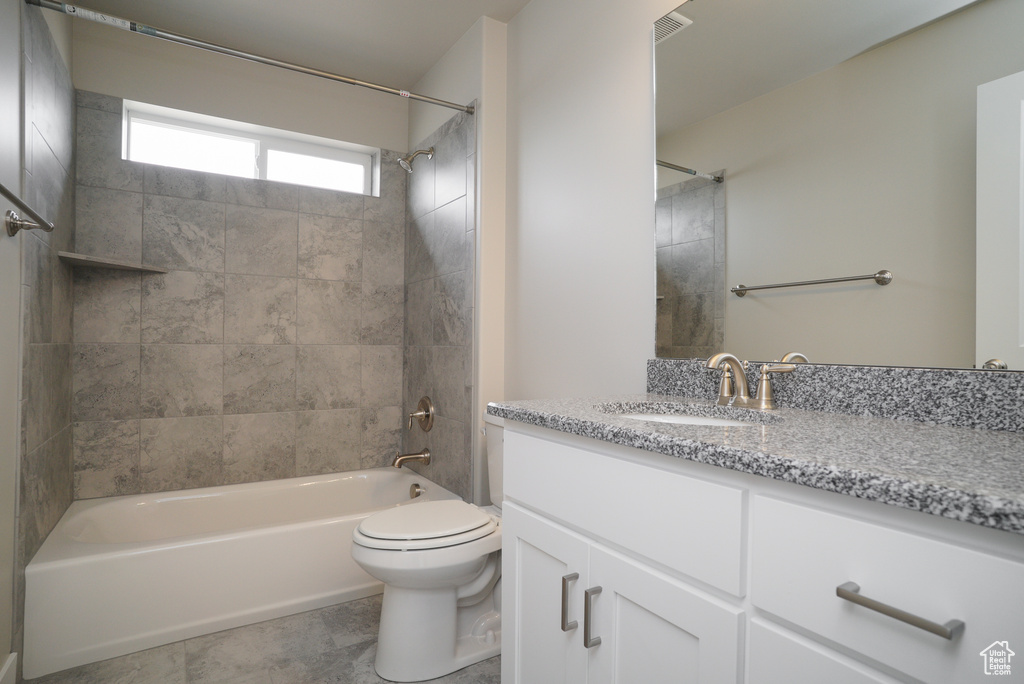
column 9, row 672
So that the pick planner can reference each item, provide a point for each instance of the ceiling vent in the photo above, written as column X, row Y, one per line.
column 669, row 25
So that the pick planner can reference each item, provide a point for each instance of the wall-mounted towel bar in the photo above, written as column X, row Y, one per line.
column 882, row 278
column 14, row 223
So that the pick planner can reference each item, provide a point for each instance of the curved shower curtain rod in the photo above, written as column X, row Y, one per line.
column 135, row 27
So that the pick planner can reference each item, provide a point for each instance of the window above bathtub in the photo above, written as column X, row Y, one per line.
column 187, row 140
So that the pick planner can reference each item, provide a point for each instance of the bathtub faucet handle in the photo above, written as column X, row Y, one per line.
column 401, row 458
column 424, row 413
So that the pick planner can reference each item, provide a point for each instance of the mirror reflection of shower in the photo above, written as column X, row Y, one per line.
column 406, row 161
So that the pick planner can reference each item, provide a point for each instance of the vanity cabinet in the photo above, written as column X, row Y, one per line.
column 624, row 619
column 624, row 622
column 709, row 575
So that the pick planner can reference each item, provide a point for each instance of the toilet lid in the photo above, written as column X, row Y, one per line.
column 428, row 520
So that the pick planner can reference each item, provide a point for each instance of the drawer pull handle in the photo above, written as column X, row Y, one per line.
column 588, row 611
column 850, row 591
column 566, row 625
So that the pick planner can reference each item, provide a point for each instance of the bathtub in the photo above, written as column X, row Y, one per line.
column 122, row 574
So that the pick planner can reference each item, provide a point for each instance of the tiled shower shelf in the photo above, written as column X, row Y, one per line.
column 101, row 262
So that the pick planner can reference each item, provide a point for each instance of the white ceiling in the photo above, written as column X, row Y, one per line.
column 390, row 42
column 736, row 50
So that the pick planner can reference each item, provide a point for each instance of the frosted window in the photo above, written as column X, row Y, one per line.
column 317, row 172
column 156, row 143
column 189, row 140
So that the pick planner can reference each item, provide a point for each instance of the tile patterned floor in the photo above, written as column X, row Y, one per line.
column 334, row 645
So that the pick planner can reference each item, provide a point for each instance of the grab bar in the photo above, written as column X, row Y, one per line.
column 882, row 278
column 14, row 223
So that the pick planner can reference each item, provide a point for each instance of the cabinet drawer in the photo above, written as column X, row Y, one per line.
column 800, row 556
column 776, row 656
column 684, row 523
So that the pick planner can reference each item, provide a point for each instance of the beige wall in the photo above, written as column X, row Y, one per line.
column 135, row 67
column 61, row 30
column 580, row 279
column 456, row 77
column 866, row 166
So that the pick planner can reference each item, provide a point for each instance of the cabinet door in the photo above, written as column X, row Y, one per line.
column 536, row 555
column 655, row 629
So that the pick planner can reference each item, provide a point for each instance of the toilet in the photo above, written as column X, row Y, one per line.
column 440, row 562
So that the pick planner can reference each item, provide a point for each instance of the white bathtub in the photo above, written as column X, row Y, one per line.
column 127, row 573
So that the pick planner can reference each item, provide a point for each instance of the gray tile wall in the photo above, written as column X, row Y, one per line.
column 49, row 187
column 273, row 346
column 690, row 239
column 440, row 248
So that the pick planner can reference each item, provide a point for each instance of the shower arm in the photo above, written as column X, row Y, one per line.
column 135, row 27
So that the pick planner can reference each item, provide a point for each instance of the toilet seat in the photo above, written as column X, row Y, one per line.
column 427, row 525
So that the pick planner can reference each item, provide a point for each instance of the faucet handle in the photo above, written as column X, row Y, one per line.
column 725, row 388
column 765, row 400
column 725, row 391
column 424, row 414
column 775, row 367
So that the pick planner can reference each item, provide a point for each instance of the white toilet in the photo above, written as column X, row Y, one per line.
column 440, row 562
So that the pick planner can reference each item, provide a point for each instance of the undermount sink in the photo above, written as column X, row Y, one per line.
column 680, row 419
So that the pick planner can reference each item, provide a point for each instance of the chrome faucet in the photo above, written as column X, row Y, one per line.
column 423, row 456
column 734, row 390
column 794, row 357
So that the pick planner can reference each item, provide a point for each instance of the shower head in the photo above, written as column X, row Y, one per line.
column 406, row 162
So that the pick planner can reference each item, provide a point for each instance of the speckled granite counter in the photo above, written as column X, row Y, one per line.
column 972, row 475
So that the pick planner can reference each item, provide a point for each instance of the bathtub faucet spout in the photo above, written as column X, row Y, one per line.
column 423, row 456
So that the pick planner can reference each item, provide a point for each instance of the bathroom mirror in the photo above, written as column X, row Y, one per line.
column 846, row 135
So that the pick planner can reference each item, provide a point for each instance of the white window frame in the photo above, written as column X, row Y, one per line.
column 266, row 138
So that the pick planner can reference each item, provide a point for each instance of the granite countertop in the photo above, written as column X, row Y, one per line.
column 972, row 475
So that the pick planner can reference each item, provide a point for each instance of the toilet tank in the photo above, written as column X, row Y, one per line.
column 494, row 429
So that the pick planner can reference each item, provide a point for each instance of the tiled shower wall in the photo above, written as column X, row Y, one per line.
column 440, row 248
column 271, row 349
column 690, row 239
column 49, row 186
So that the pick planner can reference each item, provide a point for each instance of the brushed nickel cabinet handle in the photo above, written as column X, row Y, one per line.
column 588, row 610
column 566, row 625
column 850, row 591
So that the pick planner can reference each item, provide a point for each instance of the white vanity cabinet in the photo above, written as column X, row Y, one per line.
column 624, row 620
column 709, row 575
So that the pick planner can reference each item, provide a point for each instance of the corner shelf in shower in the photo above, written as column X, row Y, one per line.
column 102, row 262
